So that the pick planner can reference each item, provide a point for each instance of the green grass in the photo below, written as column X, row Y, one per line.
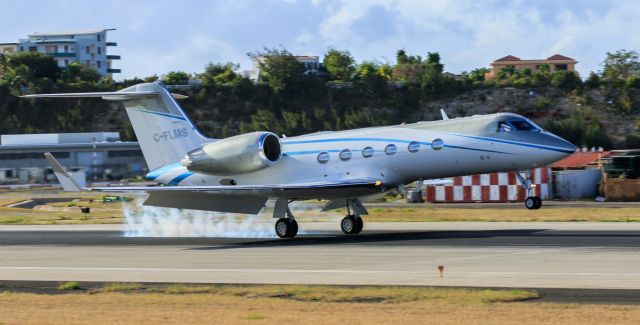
column 121, row 287
column 360, row 294
column 254, row 316
column 70, row 285
column 11, row 220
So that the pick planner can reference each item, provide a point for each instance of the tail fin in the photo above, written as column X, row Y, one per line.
column 164, row 132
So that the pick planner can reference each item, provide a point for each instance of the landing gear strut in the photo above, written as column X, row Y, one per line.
column 531, row 202
column 286, row 227
column 351, row 224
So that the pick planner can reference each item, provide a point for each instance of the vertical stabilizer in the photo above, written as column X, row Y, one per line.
column 164, row 132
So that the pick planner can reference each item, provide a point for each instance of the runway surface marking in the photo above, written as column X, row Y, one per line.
column 488, row 255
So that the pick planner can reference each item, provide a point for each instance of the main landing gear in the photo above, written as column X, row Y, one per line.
column 531, row 202
column 286, row 226
column 352, row 224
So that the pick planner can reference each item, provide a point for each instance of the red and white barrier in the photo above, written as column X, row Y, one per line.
column 495, row 187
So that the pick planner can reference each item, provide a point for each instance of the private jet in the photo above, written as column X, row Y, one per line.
column 240, row 173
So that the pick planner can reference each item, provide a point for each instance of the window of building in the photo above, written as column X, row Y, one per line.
column 561, row 67
column 367, row 152
column 66, row 48
column 414, row 146
column 124, row 153
column 88, row 49
column 99, row 50
column 66, row 62
column 33, row 155
column 51, row 49
column 345, row 154
column 21, row 49
column 33, row 49
column 390, row 149
column 99, row 64
column 99, row 37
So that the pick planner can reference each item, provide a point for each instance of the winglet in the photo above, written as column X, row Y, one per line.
column 444, row 115
column 67, row 182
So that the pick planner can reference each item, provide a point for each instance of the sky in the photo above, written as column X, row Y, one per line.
column 155, row 37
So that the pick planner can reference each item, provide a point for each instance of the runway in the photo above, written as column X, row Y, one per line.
column 543, row 255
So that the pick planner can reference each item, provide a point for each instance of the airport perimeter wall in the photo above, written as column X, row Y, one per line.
column 618, row 189
column 494, row 187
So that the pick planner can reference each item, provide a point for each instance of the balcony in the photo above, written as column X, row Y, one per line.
column 63, row 55
column 111, row 44
column 114, row 70
column 113, row 57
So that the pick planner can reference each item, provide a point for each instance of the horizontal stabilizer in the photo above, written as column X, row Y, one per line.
column 67, row 182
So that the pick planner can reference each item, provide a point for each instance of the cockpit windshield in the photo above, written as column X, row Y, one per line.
column 517, row 125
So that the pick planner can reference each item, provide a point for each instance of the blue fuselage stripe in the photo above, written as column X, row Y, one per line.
column 176, row 180
column 152, row 175
column 178, row 117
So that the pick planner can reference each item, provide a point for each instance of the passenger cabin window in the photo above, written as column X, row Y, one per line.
column 323, row 157
column 367, row 152
column 390, row 149
column 345, row 154
column 414, row 146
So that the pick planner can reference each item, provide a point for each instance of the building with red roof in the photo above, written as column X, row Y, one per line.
column 555, row 62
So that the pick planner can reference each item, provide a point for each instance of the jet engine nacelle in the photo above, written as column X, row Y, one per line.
column 239, row 154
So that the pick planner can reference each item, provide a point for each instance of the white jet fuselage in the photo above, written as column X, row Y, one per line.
column 424, row 150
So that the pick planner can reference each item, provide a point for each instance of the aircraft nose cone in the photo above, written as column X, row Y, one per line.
column 562, row 144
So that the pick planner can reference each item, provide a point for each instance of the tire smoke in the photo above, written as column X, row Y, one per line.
column 148, row 221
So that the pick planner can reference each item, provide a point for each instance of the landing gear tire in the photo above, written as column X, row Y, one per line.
column 286, row 228
column 351, row 225
column 359, row 225
column 533, row 203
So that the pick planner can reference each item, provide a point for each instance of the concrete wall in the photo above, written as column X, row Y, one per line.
column 576, row 184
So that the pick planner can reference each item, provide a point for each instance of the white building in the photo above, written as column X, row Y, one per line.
column 100, row 154
column 88, row 47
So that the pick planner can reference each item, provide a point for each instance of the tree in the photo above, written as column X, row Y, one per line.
column 620, row 65
column 76, row 72
column 218, row 75
column 565, row 79
column 176, row 78
column 367, row 75
column 433, row 71
column 593, row 80
column 339, row 64
column 278, row 68
column 39, row 65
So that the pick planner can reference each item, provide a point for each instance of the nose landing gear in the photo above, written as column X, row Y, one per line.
column 531, row 202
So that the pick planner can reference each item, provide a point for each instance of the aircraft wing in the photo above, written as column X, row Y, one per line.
column 292, row 190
